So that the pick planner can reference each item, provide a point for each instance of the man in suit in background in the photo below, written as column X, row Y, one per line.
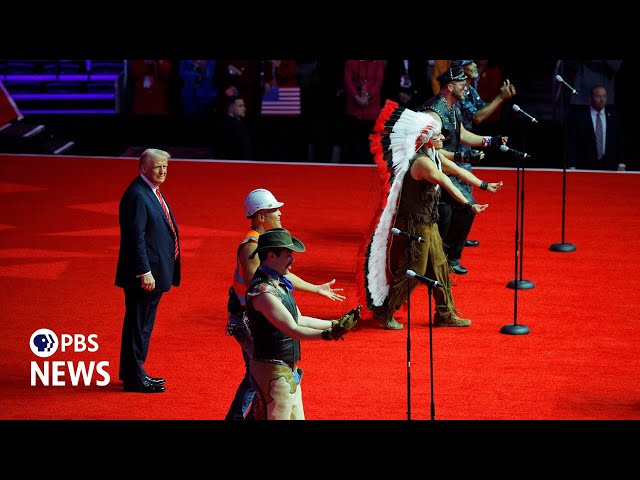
column 148, row 265
column 582, row 125
column 407, row 82
column 232, row 136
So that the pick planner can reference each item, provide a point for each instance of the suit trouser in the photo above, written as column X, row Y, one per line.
column 444, row 220
column 139, row 317
column 460, row 224
column 239, row 408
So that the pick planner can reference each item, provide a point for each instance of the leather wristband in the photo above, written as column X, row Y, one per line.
column 473, row 155
column 496, row 142
column 484, row 185
column 326, row 335
column 470, row 204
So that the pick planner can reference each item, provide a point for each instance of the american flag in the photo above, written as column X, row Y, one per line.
column 283, row 101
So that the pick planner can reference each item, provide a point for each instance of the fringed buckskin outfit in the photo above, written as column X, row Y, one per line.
column 417, row 214
column 409, row 205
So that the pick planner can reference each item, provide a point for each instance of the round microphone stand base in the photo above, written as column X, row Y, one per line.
column 562, row 247
column 513, row 329
column 522, row 284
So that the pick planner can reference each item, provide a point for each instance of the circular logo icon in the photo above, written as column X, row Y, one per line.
column 43, row 342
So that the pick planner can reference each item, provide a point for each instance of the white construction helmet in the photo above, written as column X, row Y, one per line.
column 260, row 199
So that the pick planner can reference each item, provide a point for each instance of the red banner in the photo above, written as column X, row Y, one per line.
column 9, row 111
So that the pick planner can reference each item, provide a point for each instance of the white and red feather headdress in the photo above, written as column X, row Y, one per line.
column 398, row 133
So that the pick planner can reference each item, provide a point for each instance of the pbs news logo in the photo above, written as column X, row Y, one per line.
column 58, row 373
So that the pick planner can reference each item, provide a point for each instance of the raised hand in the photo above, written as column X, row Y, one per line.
column 331, row 293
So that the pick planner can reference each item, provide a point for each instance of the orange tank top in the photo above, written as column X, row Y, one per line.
column 239, row 282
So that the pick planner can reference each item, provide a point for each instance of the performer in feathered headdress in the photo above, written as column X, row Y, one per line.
column 404, row 144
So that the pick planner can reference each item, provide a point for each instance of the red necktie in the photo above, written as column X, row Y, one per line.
column 166, row 212
column 599, row 136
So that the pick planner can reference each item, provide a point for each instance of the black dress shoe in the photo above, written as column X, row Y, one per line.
column 459, row 269
column 471, row 243
column 143, row 386
column 154, row 380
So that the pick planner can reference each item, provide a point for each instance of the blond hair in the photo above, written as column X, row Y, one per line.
column 151, row 153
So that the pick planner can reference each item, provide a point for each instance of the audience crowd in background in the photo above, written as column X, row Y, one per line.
column 308, row 110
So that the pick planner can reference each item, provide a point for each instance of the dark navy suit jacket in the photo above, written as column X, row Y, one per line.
column 581, row 141
column 146, row 239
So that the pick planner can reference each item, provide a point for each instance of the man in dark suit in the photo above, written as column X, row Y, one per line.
column 582, row 150
column 148, row 265
column 232, row 137
column 407, row 82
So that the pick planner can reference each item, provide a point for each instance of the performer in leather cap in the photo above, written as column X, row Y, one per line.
column 453, row 88
column 475, row 111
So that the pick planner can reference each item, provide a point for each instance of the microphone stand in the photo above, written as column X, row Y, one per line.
column 433, row 406
column 518, row 282
column 408, row 243
column 430, row 287
column 515, row 329
column 563, row 246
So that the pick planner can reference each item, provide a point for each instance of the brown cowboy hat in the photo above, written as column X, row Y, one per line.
column 278, row 238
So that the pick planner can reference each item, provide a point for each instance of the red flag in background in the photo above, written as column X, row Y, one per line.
column 9, row 111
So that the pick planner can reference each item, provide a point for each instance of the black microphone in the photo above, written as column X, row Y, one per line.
column 407, row 235
column 516, row 108
column 561, row 80
column 428, row 281
column 504, row 148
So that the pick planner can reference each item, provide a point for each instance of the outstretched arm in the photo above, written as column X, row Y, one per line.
column 507, row 91
column 473, row 140
column 468, row 177
column 424, row 169
column 324, row 289
column 308, row 328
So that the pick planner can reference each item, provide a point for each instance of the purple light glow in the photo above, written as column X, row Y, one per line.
column 61, row 78
column 70, row 112
column 64, row 96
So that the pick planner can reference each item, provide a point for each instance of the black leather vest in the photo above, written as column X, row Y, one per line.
column 451, row 121
column 269, row 343
column 419, row 198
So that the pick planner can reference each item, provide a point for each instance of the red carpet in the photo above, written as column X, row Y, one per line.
column 59, row 231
